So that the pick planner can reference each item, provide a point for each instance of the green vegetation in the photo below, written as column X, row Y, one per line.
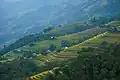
column 43, row 46
column 48, row 29
column 113, row 26
column 77, row 51
column 114, row 23
column 98, row 40
column 86, row 49
column 71, row 39
column 103, row 65
column 47, row 33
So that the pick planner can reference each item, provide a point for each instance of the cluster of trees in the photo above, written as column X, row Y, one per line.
column 99, row 21
column 104, row 64
column 2, row 58
column 65, row 43
column 52, row 47
column 17, row 69
column 27, row 40
column 22, row 68
column 48, row 29
column 113, row 28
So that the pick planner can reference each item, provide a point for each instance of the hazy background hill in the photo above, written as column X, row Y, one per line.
column 22, row 17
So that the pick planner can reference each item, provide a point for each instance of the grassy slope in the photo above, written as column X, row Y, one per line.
column 96, row 41
column 58, row 31
column 71, row 38
column 69, row 29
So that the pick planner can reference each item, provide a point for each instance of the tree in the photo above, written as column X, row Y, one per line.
column 44, row 52
column 31, row 44
column 104, row 43
column 114, row 29
column 4, row 46
column 62, row 76
column 49, row 77
column 52, row 47
column 64, row 43
column 60, row 25
column 47, row 29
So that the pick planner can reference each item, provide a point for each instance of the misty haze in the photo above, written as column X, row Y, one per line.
column 59, row 39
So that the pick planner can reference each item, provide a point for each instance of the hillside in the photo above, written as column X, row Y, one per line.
column 58, row 31
column 98, row 41
column 76, row 49
column 72, row 39
column 89, row 65
column 59, row 39
column 34, row 16
column 52, row 50
column 40, row 63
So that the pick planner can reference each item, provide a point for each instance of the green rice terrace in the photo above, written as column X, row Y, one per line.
column 95, row 41
column 59, row 39
column 72, row 39
column 45, row 56
column 72, row 51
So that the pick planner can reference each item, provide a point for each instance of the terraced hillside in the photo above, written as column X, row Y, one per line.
column 54, row 59
column 97, row 40
column 44, row 64
column 72, row 39
column 46, row 35
column 71, row 52
column 39, row 76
